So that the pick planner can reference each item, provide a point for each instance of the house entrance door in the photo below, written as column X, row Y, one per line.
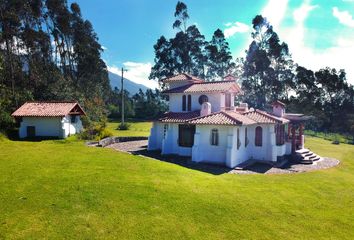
column 31, row 131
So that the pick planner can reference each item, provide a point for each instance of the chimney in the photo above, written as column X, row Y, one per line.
column 206, row 109
column 278, row 108
column 243, row 107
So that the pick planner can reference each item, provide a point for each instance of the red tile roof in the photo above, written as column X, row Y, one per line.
column 182, row 77
column 178, row 117
column 222, row 118
column 220, row 86
column 264, row 117
column 47, row 109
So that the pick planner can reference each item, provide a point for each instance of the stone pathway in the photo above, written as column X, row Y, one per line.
column 130, row 147
column 139, row 148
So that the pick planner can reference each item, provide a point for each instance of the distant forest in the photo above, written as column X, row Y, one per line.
column 49, row 52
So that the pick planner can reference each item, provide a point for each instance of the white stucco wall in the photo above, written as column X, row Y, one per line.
column 50, row 126
column 44, row 126
column 203, row 151
column 217, row 101
column 226, row 153
column 69, row 128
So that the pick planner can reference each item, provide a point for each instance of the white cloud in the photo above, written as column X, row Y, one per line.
column 344, row 17
column 275, row 11
column 104, row 48
column 338, row 56
column 137, row 72
column 233, row 28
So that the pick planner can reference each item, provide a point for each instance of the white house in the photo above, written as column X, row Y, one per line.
column 49, row 119
column 203, row 123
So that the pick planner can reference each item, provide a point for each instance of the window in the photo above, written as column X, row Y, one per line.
column 246, row 138
column 186, row 135
column 214, row 139
column 238, row 138
column 258, row 137
column 184, row 103
column 189, row 106
column 227, row 100
column 280, row 134
column 73, row 118
column 202, row 99
column 165, row 128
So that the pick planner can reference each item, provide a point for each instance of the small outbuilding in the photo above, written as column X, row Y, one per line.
column 49, row 119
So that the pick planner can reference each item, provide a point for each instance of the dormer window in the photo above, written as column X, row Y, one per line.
column 184, row 102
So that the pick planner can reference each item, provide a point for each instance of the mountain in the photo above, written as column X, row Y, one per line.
column 129, row 85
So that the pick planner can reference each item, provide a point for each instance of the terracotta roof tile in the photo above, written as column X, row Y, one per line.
column 219, row 118
column 178, row 117
column 182, row 77
column 220, row 86
column 263, row 117
column 46, row 109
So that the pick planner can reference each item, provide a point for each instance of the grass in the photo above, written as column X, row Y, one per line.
column 136, row 129
column 61, row 189
column 331, row 136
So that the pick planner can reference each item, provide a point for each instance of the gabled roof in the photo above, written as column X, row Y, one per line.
column 220, row 86
column 178, row 117
column 263, row 117
column 182, row 77
column 48, row 109
column 222, row 118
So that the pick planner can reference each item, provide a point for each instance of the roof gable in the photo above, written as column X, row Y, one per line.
column 182, row 77
column 220, row 86
column 48, row 109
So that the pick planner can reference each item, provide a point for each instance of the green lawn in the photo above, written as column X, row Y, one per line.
column 136, row 129
column 65, row 190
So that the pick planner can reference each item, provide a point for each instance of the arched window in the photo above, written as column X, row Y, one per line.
column 238, row 138
column 280, row 134
column 184, row 103
column 258, row 137
column 202, row 99
column 214, row 138
column 189, row 105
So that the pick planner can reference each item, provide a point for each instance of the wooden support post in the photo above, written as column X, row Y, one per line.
column 293, row 140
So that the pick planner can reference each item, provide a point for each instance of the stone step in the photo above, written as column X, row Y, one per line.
column 302, row 151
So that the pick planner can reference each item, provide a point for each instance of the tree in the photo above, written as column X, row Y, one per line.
column 181, row 15
column 218, row 55
column 268, row 68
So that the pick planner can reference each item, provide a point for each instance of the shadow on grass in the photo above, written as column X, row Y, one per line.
column 182, row 161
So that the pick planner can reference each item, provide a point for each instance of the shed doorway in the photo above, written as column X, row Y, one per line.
column 31, row 131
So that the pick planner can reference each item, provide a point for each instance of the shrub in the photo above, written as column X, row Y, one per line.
column 96, row 131
column 124, row 126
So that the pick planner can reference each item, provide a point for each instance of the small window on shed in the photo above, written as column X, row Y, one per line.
column 73, row 118
column 165, row 128
column 214, row 139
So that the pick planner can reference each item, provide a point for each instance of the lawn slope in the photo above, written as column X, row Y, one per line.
column 65, row 190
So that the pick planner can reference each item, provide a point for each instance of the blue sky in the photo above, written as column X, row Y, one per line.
column 319, row 33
